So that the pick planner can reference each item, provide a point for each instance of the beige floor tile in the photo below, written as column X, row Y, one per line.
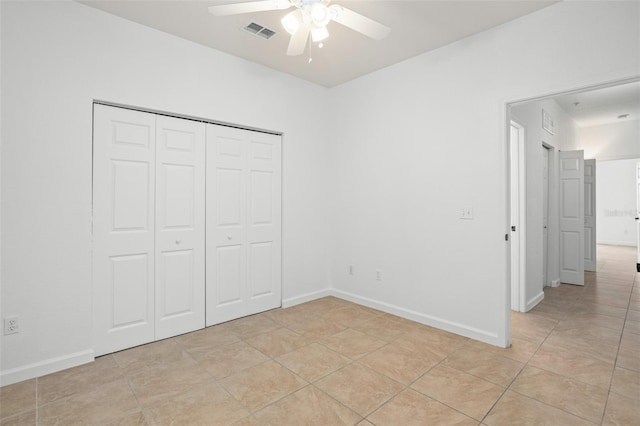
column 401, row 363
column 581, row 399
column 365, row 422
column 198, row 343
column 313, row 362
column 277, row 342
column 308, row 406
column 230, row 359
column 317, row 328
column 160, row 383
column 632, row 326
column 288, row 316
column 385, row 327
column 151, row 355
column 486, row 365
column 633, row 315
column 353, row 344
column 520, row 350
column 575, row 365
column 372, row 389
column 108, row 404
column 531, row 327
column 621, row 411
column 349, row 315
column 577, row 321
column 462, row 391
column 410, row 408
column 596, row 308
column 17, row 398
column 628, row 359
column 626, row 382
column 202, row 404
column 262, row 385
column 518, row 410
column 430, row 339
column 24, row 419
column 84, row 378
column 604, row 349
column 253, row 325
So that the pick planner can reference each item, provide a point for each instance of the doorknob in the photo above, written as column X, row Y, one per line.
column 229, row 237
column 178, row 241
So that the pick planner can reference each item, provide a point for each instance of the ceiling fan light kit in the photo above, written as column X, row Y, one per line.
column 311, row 17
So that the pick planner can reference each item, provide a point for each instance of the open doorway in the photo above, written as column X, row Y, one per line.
column 551, row 125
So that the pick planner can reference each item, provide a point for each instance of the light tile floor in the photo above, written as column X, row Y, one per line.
column 575, row 359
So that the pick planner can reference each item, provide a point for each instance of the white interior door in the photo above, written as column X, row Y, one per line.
column 590, row 215
column 572, row 217
column 123, row 228
column 243, row 217
column 545, row 216
column 180, row 227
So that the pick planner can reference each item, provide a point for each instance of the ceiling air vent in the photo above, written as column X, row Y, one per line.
column 259, row 30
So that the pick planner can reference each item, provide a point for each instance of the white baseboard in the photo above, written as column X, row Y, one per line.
column 618, row 243
column 531, row 303
column 45, row 367
column 429, row 320
column 292, row 301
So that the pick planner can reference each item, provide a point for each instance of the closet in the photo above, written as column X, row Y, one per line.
column 186, row 225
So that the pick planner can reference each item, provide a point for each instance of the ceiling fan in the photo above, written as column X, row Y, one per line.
column 310, row 18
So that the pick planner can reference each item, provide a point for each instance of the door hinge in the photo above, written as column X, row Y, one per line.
column 513, row 228
column 506, row 237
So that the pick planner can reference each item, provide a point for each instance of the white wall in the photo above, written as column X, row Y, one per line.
column 529, row 115
column 415, row 142
column 615, row 141
column 56, row 58
column 616, row 202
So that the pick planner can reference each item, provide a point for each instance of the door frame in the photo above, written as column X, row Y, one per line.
column 506, row 126
column 519, row 251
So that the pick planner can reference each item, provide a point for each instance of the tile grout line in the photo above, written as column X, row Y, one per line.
column 615, row 363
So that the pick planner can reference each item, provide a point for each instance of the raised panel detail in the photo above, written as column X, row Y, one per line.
column 129, row 283
column 229, row 147
column 130, row 134
column 588, row 241
column 588, row 203
column 570, row 246
column 177, row 279
column 261, row 151
column 261, row 197
column 130, row 195
column 229, row 197
column 588, row 170
column 569, row 195
column 179, row 196
column 179, row 141
column 261, row 258
column 229, row 272
column 569, row 164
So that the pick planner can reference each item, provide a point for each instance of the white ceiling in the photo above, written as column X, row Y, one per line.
column 416, row 27
column 603, row 106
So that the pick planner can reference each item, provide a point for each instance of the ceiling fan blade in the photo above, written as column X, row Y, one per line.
column 253, row 6
column 360, row 23
column 298, row 41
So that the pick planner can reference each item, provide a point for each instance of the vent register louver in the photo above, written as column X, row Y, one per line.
column 259, row 30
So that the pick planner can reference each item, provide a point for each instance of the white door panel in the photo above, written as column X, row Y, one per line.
column 545, row 216
column 590, row 215
column 243, row 223
column 123, row 228
column 180, row 257
column 572, row 217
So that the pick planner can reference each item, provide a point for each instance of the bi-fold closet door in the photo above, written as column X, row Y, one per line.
column 148, row 227
column 157, row 181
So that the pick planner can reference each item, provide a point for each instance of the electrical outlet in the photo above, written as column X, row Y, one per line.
column 378, row 275
column 11, row 325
